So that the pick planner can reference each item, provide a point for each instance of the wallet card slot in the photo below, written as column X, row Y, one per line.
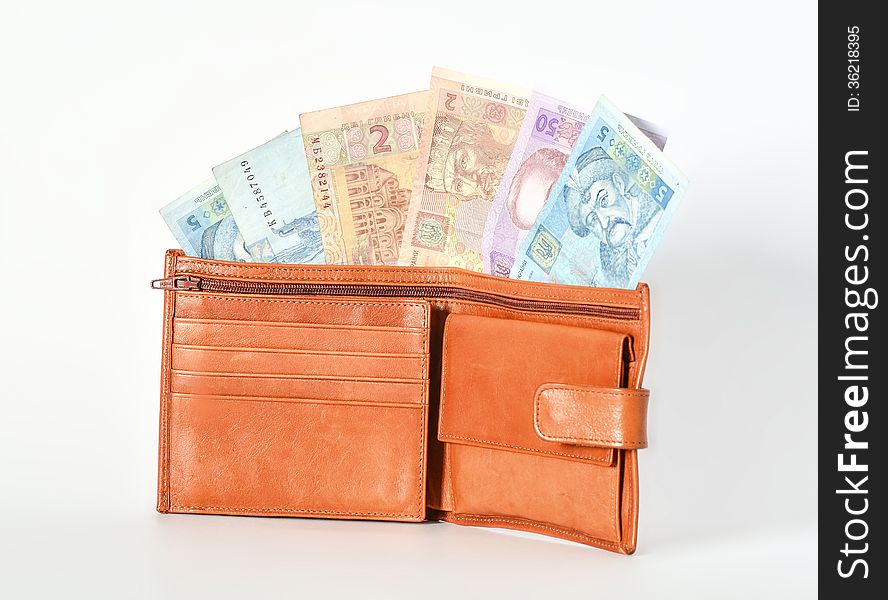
column 297, row 458
column 285, row 351
column 307, row 310
column 318, row 326
column 314, row 377
column 306, row 362
column 349, row 402
column 335, row 389
column 343, row 338
column 317, row 310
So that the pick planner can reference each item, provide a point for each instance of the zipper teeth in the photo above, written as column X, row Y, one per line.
column 228, row 286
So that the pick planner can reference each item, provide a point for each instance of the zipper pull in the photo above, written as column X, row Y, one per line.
column 177, row 283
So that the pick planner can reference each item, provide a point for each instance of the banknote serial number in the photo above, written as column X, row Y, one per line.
column 854, row 68
column 259, row 197
column 321, row 180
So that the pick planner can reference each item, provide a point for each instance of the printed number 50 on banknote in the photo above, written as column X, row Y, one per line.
column 546, row 137
column 607, row 211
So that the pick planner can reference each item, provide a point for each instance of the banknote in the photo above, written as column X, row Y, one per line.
column 544, row 142
column 362, row 160
column 473, row 126
column 607, row 211
column 203, row 225
column 269, row 194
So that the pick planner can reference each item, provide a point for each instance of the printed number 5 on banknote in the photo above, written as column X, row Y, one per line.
column 607, row 211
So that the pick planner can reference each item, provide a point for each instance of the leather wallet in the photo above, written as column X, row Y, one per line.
column 403, row 394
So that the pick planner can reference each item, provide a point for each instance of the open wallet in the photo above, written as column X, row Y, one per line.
column 402, row 394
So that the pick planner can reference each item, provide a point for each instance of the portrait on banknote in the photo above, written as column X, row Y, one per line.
column 461, row 165
column 603, row 201
column 531, row 186
column 466, row 159
column 607, row 211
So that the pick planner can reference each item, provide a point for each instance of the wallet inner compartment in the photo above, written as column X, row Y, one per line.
column 298, row 406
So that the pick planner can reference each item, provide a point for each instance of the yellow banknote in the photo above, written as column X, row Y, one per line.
column 362, row 161
column 473, row 126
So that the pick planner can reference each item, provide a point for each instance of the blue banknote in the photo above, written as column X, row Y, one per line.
column 268, row 191
column 203, row 225
column 607, row 211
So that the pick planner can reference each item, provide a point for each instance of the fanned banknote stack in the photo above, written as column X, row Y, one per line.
column 471, row 173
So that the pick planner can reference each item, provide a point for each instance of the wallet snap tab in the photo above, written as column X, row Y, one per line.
column 591, row 416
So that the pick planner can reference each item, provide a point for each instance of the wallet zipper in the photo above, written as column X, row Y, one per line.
column 186, row 283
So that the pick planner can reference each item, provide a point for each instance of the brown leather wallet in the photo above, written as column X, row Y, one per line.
column 403, row 394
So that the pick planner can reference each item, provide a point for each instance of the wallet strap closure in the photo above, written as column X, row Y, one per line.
column 591, row 416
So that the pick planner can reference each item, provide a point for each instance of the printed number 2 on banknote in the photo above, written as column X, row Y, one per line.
column 464, row 153
column 362, row 163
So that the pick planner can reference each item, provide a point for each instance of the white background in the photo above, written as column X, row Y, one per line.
column 110, row 111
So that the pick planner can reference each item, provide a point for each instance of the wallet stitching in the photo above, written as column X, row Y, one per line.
column 288, row 275
column 518, row 521
column 629, row 493
column 444, row 354
column 578, row 320
column 413, row 304
column 448, row 437
column 449, row 455
column 298, row 352
column 623, row 444
column 292, row 325
column 294, row 510
column 425, row 307
column 164, row 467
column 615, row 494
column 587, row 390
column 297, row 400
column 423, row 401
column 299, row 377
